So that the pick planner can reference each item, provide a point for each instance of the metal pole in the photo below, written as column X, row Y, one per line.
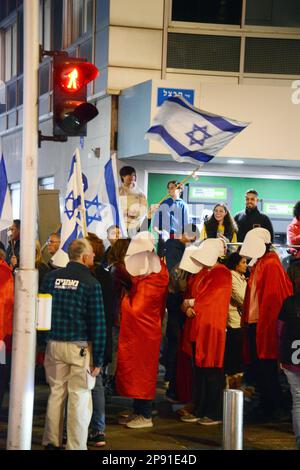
column 233, row 420
column 26, row 283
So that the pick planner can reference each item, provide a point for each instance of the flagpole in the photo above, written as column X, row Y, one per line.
column 122, row 224
column 186, row 178
column 26, row 280
column 82, row 209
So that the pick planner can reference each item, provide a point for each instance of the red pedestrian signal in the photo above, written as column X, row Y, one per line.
column 71, row 112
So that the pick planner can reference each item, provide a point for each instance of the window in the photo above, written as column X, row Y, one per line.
column 7, row 7
column 51, row 24
column 273, row 13
column 45, row 24
column 46, row 183
column 82, row 18
column 207, row 11
column 10, row 48
column 15, row 192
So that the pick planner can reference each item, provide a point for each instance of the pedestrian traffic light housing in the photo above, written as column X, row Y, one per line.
column 71, row 112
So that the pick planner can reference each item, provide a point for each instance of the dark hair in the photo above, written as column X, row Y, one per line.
column 97, row 245
column 118, row 251
column 17, row 223
column 211, row 224
column 177, row 183
column 296, row 210
column 252, row 191
column 233, row 260
column 172, row 182
column 126, row 170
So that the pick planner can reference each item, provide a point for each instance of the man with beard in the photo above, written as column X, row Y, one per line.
column 251, row 217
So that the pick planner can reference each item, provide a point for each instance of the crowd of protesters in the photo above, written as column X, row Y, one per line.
column 231, row 313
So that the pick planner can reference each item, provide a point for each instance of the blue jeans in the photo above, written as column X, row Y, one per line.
column 98, row 416
column 294, row 382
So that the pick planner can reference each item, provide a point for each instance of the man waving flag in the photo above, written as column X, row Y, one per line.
column 192, row 135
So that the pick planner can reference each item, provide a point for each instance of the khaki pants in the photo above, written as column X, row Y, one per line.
column 67, row 375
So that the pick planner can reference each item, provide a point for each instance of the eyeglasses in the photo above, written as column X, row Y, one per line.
column 50, row 242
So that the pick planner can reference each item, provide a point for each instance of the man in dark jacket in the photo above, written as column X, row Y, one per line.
column 251, row 217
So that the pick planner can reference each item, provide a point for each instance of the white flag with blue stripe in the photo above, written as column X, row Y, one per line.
column 73, row 216
column 192, row 135
column 6, row 215
column 102, row 202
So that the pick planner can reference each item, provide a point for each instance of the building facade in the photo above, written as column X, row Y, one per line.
column 241, row 58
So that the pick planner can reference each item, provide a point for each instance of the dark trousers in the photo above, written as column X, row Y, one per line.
column 208, row 392
column 4, row 377
column 142, row 407
column 174, row 328
column 265, row 372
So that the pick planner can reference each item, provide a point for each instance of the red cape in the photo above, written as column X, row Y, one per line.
column 6, row 303
column 273, row 287
column 142, row 312
column 212, row 292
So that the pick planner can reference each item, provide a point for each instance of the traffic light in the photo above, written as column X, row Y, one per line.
column 71, row 112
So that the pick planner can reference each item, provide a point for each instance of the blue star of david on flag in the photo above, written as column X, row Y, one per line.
column 190, row 134
column 71, row 204
column 195, row 130
column 96, row 208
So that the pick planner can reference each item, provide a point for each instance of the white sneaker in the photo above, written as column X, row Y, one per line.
column 126, row 419
column 208, row 421
column 140, row 422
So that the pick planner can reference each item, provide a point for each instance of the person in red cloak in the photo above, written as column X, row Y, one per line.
column 205, row 330
column 6, row 324
column 268, row 287
column 142, row 311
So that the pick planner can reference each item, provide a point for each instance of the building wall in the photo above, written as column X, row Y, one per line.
column 55, row 158
column 267, row 188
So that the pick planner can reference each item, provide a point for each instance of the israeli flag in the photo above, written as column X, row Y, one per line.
column 6, row 215
column 192, row 135
column 102, row 202
column 73, row 218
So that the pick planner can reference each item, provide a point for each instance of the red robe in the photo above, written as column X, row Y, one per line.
column 273, row 287
column 6, row 304
column 212, row 292
column 142, row 312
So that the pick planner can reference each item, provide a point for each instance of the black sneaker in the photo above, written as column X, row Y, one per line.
column 171, row 398
column 52, row 447
column 96, row 439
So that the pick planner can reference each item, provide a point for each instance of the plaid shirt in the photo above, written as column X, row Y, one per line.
column 77, row 307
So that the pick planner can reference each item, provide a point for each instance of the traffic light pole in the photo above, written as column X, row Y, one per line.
column 26, row 282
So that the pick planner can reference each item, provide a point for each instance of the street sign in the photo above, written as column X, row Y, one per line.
column 165, row 93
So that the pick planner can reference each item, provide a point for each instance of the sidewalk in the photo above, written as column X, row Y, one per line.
column 168, row 433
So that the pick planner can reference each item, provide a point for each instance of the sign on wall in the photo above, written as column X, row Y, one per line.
column 165, row 93
column 202, row 193
column 279, row 209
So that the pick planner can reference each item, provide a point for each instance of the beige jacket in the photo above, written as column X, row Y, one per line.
column 133, row 204
column 239, row 285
